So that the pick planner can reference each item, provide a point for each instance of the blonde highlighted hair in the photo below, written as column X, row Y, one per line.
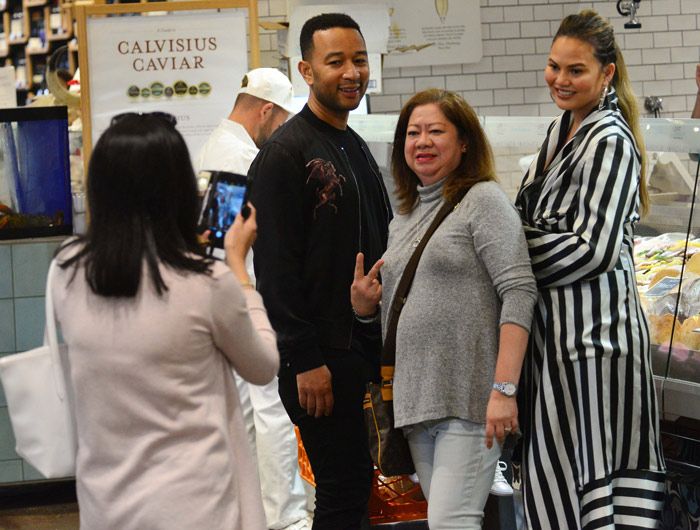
column 588, row 26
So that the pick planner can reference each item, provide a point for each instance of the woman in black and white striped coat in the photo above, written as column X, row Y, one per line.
column 591, row 455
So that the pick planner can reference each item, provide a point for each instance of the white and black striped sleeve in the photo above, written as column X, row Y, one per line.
column 607, row 194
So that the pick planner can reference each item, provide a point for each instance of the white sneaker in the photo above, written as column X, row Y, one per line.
column 500, row 485
column 301, row 524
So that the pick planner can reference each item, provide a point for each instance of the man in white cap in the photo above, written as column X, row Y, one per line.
column 264, row 102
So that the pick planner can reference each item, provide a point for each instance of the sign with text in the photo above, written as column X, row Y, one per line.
column 421, row 32
column 433, row 32
column 189, row 64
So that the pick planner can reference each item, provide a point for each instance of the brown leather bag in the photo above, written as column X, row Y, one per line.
column 387, row 444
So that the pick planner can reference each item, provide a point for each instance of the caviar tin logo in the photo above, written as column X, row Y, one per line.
column 157, row 89
column 179, row 88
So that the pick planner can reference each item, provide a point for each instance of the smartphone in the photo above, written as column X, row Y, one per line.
column 226, row 195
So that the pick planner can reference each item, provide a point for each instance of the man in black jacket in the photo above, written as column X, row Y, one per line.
column 321, row 200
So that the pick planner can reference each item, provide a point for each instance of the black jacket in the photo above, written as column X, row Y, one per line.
column 308, row 205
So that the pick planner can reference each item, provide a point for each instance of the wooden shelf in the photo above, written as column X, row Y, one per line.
column 37, row 16
column 59, row 36
column 36, row 51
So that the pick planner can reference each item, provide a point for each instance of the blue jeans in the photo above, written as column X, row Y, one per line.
column 455, row 469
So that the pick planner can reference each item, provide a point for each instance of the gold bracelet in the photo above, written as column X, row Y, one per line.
column 247, row 285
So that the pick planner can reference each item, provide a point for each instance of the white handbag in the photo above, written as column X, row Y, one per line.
column 40, row 407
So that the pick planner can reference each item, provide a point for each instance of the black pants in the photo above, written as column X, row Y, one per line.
column 337, row 444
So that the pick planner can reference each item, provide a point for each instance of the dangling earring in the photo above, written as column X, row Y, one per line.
column 603, row 95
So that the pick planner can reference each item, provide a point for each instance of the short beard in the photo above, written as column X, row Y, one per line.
column 265, row 131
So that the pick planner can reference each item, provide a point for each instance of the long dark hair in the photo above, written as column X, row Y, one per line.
column 588, row 26
column 477, row 162
column 142, row 207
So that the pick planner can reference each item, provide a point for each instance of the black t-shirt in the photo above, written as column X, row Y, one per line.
column 373, row 208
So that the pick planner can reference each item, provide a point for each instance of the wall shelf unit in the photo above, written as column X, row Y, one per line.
column 30, row 31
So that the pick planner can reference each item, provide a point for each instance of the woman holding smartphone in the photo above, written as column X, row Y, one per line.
column 151, row 326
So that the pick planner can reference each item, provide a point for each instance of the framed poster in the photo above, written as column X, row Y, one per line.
column 421, row 32
column 433, row 32
column 187, row 61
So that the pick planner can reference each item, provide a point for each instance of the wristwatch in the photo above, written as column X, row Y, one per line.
column 506, row 388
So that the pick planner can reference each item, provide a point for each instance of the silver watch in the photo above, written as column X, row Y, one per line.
column 506, row 388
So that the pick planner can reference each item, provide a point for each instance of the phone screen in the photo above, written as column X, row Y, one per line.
column 223, row 201
column 229, row 201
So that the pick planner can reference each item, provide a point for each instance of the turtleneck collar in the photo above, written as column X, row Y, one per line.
column 431, row 193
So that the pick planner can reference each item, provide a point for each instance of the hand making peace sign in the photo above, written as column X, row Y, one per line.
column 366, row 290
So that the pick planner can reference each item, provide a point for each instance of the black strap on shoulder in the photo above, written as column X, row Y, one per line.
column 401, row 294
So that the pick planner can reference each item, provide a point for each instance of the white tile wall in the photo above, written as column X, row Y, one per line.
column 661, row 56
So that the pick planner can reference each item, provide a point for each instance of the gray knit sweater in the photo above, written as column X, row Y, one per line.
column 473, row 276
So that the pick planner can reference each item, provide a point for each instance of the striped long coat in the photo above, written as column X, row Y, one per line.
column 591, row 454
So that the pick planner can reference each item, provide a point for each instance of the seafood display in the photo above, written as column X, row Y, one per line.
column 658, row 264
column 10, row 219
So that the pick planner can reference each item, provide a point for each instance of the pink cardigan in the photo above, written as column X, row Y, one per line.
column 162, row 443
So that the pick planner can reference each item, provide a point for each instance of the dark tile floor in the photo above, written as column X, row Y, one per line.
column 50, row 517
column 48, row 505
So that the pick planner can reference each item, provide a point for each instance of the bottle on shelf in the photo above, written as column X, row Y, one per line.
column 37, row 33
column 38, row 72
column 3, row 42
column 20, row 72
column 56, row 27
column 17, row 33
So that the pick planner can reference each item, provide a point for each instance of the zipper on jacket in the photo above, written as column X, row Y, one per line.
column 387, row 208
column 359, row 200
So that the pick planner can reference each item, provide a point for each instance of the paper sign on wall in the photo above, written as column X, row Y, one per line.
column 421, row 32
column 434, row 32
column 373, row 21
column 189, row 64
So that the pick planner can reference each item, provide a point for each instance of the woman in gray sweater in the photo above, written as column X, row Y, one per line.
column 464, row 328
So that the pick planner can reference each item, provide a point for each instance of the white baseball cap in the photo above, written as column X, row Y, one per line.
column 271, row 85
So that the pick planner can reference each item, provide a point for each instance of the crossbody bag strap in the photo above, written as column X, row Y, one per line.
column 404, row 286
